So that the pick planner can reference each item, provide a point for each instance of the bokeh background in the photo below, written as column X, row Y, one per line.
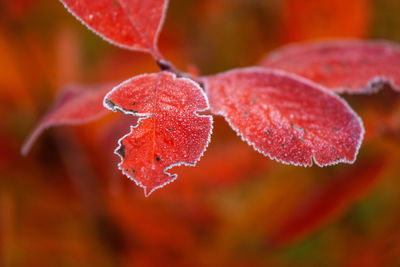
column 67, row 205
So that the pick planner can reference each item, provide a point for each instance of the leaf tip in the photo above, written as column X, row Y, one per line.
column 148, row 190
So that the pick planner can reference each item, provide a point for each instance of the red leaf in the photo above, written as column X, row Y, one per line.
column 352, row 66
column 286, row 117
column 328, row 201
column 169, row 133
column 132, row 24
column 76, row 105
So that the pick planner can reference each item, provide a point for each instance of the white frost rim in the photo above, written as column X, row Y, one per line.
column 133, row 48
column 307, row 82
column 311, row 45
column 143, row 116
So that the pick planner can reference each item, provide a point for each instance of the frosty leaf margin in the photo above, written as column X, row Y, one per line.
column 152, row 50
column 307, row 82
column 142, row 116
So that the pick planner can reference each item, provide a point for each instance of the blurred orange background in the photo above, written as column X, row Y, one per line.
column 66, row 204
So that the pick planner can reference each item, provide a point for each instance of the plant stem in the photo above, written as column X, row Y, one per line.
column 168, row 66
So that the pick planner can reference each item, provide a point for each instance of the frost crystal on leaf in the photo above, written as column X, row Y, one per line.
column 133, row 24
column 351, row 66
column 286, row 117
column 169, row 133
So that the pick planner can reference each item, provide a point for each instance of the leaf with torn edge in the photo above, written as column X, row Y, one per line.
column 132, row 24
column 170, row 132
column 76, row 105
column 286, row 117
column 350, row 66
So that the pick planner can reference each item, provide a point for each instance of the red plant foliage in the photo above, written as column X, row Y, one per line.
column 134, row 24
column 297, row 121
column 76, row 105
column 327, row 201
column 170, row 132
column 311, row 19
column 351, row 66
column 288, row 118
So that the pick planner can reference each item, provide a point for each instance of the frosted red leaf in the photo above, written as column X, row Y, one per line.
column 132, row 24
column 286, row 117
column 76, row 105
column 169, row 133
column 351, row 66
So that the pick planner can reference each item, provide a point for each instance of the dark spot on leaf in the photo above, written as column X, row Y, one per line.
column 335, row 129
column 133, row 103
column 109, row 103
column 282, row 145
column 158, row 159
column 169, row 129
column 292, row 125
column 121, row 151
column 133, row 170
column 115, row 3
column 268, row 132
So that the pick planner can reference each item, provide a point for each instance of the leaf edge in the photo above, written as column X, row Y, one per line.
column 306, row 81
column 155, row 53
column 369, row 88
column 143, row 116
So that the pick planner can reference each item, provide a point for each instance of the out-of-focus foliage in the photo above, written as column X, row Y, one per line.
column 67, row 204
column 349, row 66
